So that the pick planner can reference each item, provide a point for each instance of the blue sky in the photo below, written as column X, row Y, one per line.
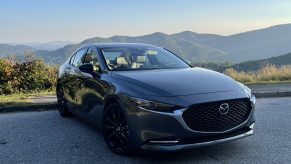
column 76, row 20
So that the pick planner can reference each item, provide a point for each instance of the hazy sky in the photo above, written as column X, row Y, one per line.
column 76, row 20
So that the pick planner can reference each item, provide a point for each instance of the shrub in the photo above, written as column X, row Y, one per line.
column 7, row 81
column 27, row 74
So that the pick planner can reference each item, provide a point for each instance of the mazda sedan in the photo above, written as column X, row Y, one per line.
column 145, row 97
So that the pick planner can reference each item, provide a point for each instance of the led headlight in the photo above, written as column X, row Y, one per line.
column 248, row 91
column 152, row 105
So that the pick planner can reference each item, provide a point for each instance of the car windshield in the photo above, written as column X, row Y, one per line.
column 124, row 59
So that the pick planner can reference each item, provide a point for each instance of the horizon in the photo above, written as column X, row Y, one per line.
column 50, row 21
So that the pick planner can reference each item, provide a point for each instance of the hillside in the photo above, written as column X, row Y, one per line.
column 57, row 56
column 203, row 48
column 256, row 64
column 196, row 37
column 6, row 49
column 193, row 51
column 253, row 45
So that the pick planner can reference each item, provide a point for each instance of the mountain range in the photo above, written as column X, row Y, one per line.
column 198, row 48
column 256, row 64
column 14, row 50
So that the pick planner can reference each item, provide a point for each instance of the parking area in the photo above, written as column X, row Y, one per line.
column 45, row 137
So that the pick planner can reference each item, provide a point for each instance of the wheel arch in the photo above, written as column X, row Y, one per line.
column 110, row 100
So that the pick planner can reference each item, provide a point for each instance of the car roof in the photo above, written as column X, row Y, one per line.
column 120, row 45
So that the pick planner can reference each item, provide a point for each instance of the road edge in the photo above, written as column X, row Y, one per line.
column 53, row 106
column 28, row 108
column 272, row 94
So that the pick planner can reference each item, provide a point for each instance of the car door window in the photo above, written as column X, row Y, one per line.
column 91, row 57
column 78, row 59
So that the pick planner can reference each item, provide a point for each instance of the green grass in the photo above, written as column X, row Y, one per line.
column 21, row 98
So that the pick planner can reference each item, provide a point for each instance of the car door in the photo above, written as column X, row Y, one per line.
column 92, row 88
column 73, row 74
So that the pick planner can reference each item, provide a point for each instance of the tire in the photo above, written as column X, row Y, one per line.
column 63, row 109
column 115, row 130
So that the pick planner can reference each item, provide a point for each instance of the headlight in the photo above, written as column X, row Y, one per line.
column 247, row 90
column 152, row 105
column 250, row 95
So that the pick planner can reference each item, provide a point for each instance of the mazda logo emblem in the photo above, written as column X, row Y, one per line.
column 224, row 108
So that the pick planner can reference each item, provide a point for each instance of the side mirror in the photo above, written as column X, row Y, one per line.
column 87, row 68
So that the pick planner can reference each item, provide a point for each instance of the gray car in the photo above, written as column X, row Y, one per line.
column 146, row 97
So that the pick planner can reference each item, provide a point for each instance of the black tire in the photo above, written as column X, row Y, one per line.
column 63, row 109
column 115, row 130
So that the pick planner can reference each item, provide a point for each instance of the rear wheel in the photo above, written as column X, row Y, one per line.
column 115, row 130
column 63, row 109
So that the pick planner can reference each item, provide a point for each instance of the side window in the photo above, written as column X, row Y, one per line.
column 91, row 57
column 78, row 58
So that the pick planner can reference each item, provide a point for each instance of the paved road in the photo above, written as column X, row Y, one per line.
column 262, row 88
column 44, row 137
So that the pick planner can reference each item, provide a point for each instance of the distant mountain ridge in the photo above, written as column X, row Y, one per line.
column 193, row 36
column 53, row 45
column 256, row 64
column 57, row 56
column 6, row 49
column 198, row 48
column 189, row 50
column 256, row 44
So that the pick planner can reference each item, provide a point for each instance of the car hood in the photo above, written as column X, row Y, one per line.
column 176, row 82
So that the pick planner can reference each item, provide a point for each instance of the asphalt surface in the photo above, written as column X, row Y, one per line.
column 45, row 137
column 263, row 88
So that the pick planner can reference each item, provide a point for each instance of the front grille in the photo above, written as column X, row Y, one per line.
column 206, row 117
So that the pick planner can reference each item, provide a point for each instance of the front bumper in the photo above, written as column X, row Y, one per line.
column 175, row 145
column 151, row 130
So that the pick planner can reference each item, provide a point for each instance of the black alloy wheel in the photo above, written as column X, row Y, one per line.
column 63, row 109
column 115, row 130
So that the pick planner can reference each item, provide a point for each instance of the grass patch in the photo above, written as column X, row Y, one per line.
column 21, row 98
column 268, row 74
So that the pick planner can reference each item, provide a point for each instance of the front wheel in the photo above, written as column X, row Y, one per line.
column 115, row 130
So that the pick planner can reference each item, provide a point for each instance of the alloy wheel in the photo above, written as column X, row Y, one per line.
column 62, row 104
column 115, row 130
